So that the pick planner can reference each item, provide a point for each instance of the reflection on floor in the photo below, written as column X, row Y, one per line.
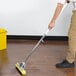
column 41, row 63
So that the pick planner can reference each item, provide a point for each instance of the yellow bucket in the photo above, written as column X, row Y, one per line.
column 3, row 38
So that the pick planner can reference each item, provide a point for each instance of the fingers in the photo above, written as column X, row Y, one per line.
column 50, row 27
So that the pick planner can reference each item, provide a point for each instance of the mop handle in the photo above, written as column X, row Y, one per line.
column 33, row 50
column 46, row 32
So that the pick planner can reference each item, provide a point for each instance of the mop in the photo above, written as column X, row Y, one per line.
column 21, row 66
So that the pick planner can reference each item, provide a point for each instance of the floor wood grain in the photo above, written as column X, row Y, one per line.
column 41, row 63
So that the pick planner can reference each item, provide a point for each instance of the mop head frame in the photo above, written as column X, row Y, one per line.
column 21, row 70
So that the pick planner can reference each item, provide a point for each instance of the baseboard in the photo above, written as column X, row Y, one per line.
column 36, row 37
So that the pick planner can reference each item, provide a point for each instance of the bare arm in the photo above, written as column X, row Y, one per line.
column 56, row 14
column 57, row 11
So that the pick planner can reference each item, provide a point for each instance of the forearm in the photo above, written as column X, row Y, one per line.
column 57, row 11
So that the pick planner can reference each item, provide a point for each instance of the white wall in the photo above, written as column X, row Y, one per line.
column 31, row 17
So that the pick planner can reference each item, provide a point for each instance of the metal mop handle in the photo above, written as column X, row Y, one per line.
column 33, row 50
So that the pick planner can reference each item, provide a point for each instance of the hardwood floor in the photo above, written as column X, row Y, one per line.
column 41, row 63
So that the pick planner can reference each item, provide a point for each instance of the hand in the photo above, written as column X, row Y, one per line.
column 51, row 25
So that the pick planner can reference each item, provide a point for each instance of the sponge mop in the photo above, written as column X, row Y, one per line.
column 21, row 66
